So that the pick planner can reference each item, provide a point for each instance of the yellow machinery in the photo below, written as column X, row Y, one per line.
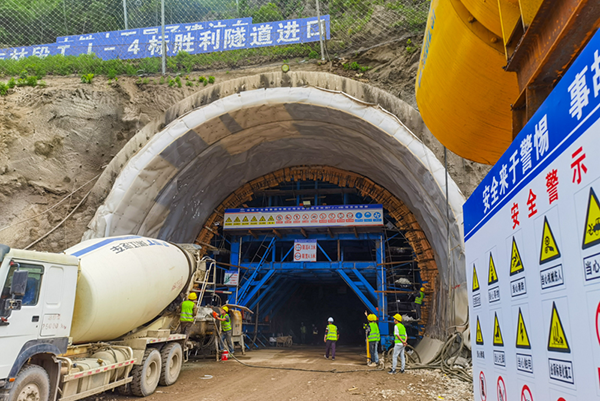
column 487, row 65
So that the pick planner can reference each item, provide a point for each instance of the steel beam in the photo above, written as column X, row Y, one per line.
column 367, row 285
column 266, row 291
column 357, row 291
column 257, row 287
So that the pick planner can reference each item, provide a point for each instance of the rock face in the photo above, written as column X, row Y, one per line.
column 56, row 140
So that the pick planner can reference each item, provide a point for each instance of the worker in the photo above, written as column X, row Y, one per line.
column 226, row 339
column 302, row 333
column 418, row 302
column 330, row 338
column 399, row 343
column 188, row 312
column 315, row 334
column 373, row 337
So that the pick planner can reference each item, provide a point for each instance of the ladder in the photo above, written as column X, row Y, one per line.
column 205, row 283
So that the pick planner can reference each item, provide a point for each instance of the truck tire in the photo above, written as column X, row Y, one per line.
column 172, row 360
column 146, row 375
column 32, row 383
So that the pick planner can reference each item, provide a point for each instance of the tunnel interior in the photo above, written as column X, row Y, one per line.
column 362, row 269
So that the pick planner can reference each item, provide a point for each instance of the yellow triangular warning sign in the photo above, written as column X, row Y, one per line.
column 271, row 218
column 591, row 234
column 479, row 336
column 237, row 220
column 549, row 249
column 475, row 279
column 516, row 263
column 262, row 220
column 498, row 341
column 557, row 340
column 254, row 219
column 492, row 275
column 228, row 221
column 245, row 219
column 522, row 337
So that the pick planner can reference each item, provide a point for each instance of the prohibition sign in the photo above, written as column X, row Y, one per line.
column 501, row 388
column 526, row 394
column 482, row 386
column 598, row 322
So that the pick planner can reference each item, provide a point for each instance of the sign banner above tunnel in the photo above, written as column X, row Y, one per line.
column 532, row 238
column 298, row 216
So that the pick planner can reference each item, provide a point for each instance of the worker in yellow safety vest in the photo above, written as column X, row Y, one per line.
column 330, row 338
column 188, row 312
column 418, row 302
column 226, row 339
column 373, row 337
column 400, row 338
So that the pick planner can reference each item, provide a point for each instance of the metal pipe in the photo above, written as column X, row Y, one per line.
column 125, row 13
column 320, row 32
column 162, row 32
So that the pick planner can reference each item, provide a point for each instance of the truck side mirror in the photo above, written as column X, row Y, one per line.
column 19, row 283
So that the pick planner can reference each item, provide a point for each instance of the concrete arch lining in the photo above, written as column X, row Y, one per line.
column 181, row 173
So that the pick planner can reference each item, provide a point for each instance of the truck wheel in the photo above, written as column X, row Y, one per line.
column 32, row 383
column 146, row 375
column 172, row 359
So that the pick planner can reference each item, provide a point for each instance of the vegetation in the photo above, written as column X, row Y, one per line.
column 354, row 66
column 87, row 78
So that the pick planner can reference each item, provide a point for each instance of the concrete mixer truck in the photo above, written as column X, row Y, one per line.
column 97, row 317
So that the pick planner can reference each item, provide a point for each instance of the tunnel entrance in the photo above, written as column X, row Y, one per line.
column 219, row 147
column 357, row 258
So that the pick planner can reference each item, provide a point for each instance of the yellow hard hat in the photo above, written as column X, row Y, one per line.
column 398, row 317
column 372, row 317
column 226, row 309
column 422, row 288
column 192, row 296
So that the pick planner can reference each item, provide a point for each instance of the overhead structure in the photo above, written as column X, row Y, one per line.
column 175, row 177
column 486, row 67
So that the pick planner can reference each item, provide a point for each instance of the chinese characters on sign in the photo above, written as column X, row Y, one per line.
column 305, row 250
column 192, row 38
column 534, row 225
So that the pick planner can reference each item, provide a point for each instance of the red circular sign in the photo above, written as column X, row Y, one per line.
column 298, row 256
column 561, row 399
column 288, row 216
column 322, row 215
column 598, row 322
column 350, row 215
column 296, row 217
column 305, row 217
column 526, row 394
column 313, row 216
column 501, row 389
column 482, row 387
column 279, row 217
column 332, row 215
column 340, row 215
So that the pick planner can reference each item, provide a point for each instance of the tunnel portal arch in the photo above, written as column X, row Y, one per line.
column 169, row 179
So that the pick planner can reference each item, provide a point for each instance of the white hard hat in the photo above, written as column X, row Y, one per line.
column 330, row 319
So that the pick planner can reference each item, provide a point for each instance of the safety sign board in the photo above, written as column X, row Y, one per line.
column 533, row 225
column 298, row 217
column 305, row 250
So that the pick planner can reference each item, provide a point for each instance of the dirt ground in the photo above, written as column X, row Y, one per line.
column 229, row 380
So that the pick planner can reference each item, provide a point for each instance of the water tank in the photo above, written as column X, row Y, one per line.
column 123, row 283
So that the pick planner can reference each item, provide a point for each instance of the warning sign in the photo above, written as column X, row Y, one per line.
column 522, row 336
column 557, row 340
column 516, row 263
column 549, row 249
column 591, row 234
column 475, row 279
column 498, row 341
column 534, row 224
column 245, row 221
column 479, row 337
column 492, row 275
column 228, row 221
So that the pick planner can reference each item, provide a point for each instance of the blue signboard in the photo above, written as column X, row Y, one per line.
column 192, row 38
column 561, row 119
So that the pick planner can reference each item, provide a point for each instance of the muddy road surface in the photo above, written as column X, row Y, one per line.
column 204, row 379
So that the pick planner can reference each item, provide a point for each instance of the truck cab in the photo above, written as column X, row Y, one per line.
column 36, row 307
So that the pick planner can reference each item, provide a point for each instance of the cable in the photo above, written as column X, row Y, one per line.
column 52, row 207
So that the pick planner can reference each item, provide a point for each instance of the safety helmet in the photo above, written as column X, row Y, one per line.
column 398, row 317
column 330, row 320
column 422, row 288
column 371, row 317
column 192, row 296
column 226, row 309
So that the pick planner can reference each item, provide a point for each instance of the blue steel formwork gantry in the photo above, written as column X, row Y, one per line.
column 264, row 280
